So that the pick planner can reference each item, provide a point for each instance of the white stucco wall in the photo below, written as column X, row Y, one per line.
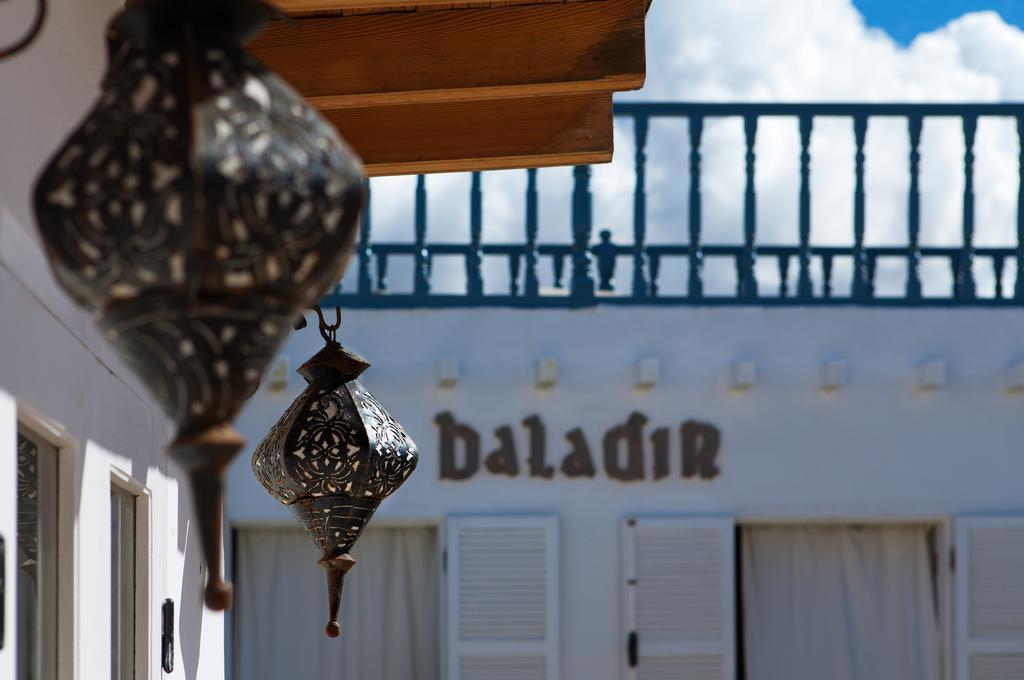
column 61, row 374
column 878, row 448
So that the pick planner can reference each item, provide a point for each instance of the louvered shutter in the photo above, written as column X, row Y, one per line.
column 680, row 598
column 990, row 598
column 8, row 514
column 502, row 613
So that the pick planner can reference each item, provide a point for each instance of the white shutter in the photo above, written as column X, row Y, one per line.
column 990, row 598
column 8, row 528
column 680, row 598
column 502, row 610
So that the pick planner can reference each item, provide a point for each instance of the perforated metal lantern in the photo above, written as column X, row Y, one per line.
column 332, row 458
column 198, row 207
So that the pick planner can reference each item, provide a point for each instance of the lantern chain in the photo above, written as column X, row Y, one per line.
column 329, row 332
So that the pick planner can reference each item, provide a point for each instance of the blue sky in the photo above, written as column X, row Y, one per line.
column 904, row 19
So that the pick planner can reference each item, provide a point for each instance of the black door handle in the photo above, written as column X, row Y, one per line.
column 633, row 648
column 167, row 637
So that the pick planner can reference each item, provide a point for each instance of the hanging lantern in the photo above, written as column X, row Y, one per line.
column 332, row 458
column 199, row 206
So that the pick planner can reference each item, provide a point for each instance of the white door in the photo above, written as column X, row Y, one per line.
column 680, row 598
column 990, row 598
column 8, row 524
column 502, row 613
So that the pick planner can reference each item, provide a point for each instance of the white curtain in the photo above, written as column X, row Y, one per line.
column 839, row 603
column 389, row 613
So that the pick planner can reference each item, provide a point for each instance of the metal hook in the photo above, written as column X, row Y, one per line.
column 27, row 39
column 329, row 332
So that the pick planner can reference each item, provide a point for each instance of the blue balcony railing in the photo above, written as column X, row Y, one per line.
column 583, row 267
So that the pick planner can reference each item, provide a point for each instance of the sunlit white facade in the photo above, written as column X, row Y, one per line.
column 892, row 431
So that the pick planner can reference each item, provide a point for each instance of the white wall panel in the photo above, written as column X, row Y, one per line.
column 876, row 448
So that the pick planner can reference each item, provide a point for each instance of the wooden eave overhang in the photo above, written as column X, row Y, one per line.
column 444, row 87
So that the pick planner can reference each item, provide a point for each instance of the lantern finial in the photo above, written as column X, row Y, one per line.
column 205, row 456
column 336, row 568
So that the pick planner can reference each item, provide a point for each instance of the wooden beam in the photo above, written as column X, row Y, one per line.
column 308, row 7
column 459, row 54
column 479, row 135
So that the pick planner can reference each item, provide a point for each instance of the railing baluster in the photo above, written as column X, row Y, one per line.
column 695, row 285
column 382, row 272
column 513, row 274
column 1018, row 289
column 532, row 280
column 860, row 268
column 421, row 264
column 640, row 288
column 655, row 261
column 606, row 260
column 783, row 261
column 558, row 266
column 872, row 268
column 747, row 281
column 804, row 288
column 474, row 257
column 581, row 287
column 914, row 124
column 965, row 288
column 826, row 275
column 954, row 268
column 997, row 269
column 365, row 284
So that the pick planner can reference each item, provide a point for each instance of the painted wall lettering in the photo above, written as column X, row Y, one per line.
column 623, row 447
column 700, row 449
column 503, row 460
column 451, row 431
column 659, row 440
column 627, row 438
column 579, row 462
column 538, row 448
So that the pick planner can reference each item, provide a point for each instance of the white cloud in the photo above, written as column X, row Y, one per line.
column 820, row 50
column 763, row 51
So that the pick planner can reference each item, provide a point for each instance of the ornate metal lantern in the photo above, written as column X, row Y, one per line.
column 332, row 458
column 198, row 207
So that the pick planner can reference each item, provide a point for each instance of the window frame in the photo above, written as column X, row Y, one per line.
column 232, row 638
column 66, row 451
column 124, row 482
column 945, row 550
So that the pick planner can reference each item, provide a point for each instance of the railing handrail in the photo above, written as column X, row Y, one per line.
column 583, row 272
column 830, row 109
column 456, row 248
